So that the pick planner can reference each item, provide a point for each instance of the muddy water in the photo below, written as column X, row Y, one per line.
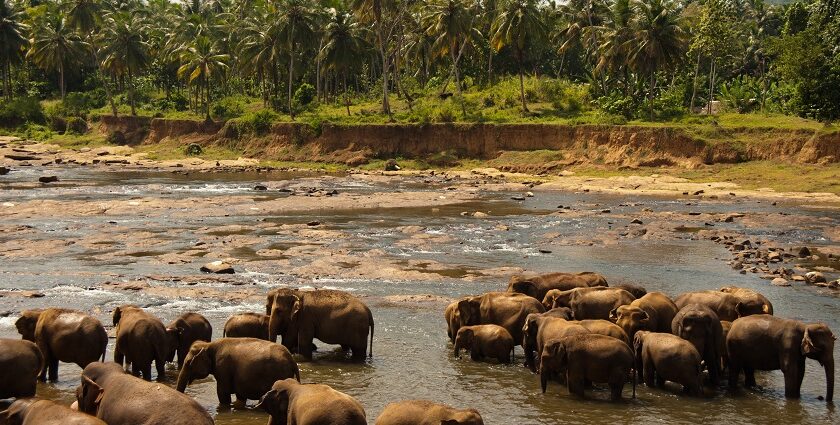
column 412, row 356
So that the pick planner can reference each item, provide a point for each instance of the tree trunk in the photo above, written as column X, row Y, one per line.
column 386, row 106
column 650, row 92
column 694, row 85
column 521, row 82
column 131, row 93
column 346, row 95
column 458, row 81
column 61, row 80
column 291, row 69
column 207, row 105
column 7, row 80
column 711, row 87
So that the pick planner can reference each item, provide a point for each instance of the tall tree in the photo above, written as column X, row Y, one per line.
column 201, row 63
column 55, row 46
column 297, row 21
column 126, row 52
column 519, row 26
column 342, row 48
column 13, row 42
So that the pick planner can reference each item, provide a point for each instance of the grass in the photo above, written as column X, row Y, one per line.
column 771, row 174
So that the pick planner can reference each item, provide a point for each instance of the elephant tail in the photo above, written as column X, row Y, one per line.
column 634, row 382
column 370, row 323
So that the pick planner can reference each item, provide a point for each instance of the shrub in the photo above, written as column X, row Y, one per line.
column 258, row 122
column 76, row 125
column 304, row 95
column 20, row 111
column 445, row 115
column 227, row 108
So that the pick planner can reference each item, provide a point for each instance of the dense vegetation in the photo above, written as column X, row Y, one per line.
column 416, row 60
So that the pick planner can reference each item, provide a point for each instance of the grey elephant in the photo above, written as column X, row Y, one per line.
column 765, row 342
column 588, row 303
column 118, row 398
column 664, row 357
column 536, row 285
column 588, row 358
column 485, row 341
column 63, row 335
column 505, row 309
column 141, row 340
column 20, row 364
column 538, row 329
column 561, row 312
column 725, row 327
column 653, row 312
column 33, row 411
column 726, row 305
column 638, row 291
column 334, row 317
column 425, row 412
column 183, row 332
column 290, row 402
column 751, row 301
column 453, row 320
column 246, row 367
column 247, row 325
column 700, row 325
column 604, row 327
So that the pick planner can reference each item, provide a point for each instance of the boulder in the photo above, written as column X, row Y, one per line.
column 48, row 179
column 815, row 277
column 804, row 252
column 4, row 171
column 780, row 281
column 218, row 267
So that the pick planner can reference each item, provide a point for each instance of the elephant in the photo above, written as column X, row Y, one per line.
column 183, row 331
column 726, row 305
column 485, row 341
column 32, row 411
column 725, row 327
column 700, row 325
column 765, row 342
column 20, row 364
column 334, row 317
column 425, row 412
column 588, row 303
column 751, row 301
column 561, row 312
column 119, row 398
column 290, row 402
column 538, row 329
column 588, row 358
column 141, row 339
column 653, row 312
column 664, row 357
column 246, row 367
column 536, row 285
column 637, row 290
column 247, row 325
column 63, row 335
column 505, row 309
column 453, row 320
column 604, row 327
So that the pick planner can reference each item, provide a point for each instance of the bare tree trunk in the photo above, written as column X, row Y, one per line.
column 7, row 80
column 291, row 70
column 131, row 93
column 711, row 87
column 458, row 81
column 521, row 83
column 207, row 106
column 694, row 85
column 650, row 93
column 346, row 95
column 61, row 82
column 386, row 106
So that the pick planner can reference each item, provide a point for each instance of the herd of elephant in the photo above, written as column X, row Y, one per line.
column 246, row 362
column 577, row 329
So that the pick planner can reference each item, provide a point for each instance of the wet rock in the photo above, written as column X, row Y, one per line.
column 313, row 223
column 605, row 211
column 529, row 194
column 636, row 221
column 260, row 187
column 780, row 281
column 48, row 179
column 21, row 157
column 804, row 252
column 218, row 267
column 815, row 277
column 517, row 198
column 737, row 265
column 4, row 171
column 699, row 192
column 502, row 227
column 479, row 214
column 391, row 165
column 798, row 278
column 774, row 257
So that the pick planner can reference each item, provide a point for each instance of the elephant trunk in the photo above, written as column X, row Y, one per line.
column 273, row 328
column 543, row 379
column 828, row 364
column 183, row 380
column 457, row 349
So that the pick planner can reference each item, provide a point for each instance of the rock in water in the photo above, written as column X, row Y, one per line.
column 218, row 267
column 780, row 281
column 48, row 179
column 4, row 171
column 804, row 252
column 815, row 277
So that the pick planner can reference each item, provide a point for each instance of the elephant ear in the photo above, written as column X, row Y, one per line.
column 117, row 315
column 739, row 309
column 808, row 346
column 275, row 402
column 296, row 306
column 91, row 396
column 614, row 314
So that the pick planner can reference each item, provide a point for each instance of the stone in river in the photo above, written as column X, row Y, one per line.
column 780, row 281
column 48, row 179
column 218, row 267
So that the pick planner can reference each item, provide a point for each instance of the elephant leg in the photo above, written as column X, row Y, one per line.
column 146, row 370
column 660, row 381
column 475, row 353
column 304, row 343
column 576, row 385
column 344, row 347
column 615, row 391
column 749, row 376
column 649, row 372
column 160, row 365
column 794, row 373
column 734, row 371
column 47, row 363
column 241, row 401
column 223, row 391
column 119, row 357
column 359, row 353
column 713, row 362
column 182, row 354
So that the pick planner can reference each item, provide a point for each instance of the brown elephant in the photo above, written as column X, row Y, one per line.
column 751, row 301
column 664, row 357
column 536, row 285
column 700, row 325
column 141, row 339
column 588, row 358
column 726, row 305
column 63, row 335
column 638, row 291
column 32, row 411
column 290, row 402
column 588, row 303
column 246, row 367
column 425, row 412
column 247, row 325
column 765, row 342
column 725, row 327
column 538, row 329
column 505, row 309
column 20, row 364
column 118, row 398
column 334, row 317
column 653, row 312
column 604, row 327
column 561, row 312
column 183, row 331
column 453, row 320
column 485, row 341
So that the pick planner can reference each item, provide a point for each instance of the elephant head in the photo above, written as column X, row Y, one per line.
column 470, row 311
column 631, row 319
column 199, row 363
column 26, row 324
column 115, row 317
column 453, row 320
column 16, row 413
column 276, row 401
column 818, row 344
column 173, row 340
column 550, row 299
column 284, row 311
column 523, row 285
column 464, row 417
column 750, row 307
column 529, row 339
column 696, row 327
column 553, row 359
column 464, row 340
column 88, row 396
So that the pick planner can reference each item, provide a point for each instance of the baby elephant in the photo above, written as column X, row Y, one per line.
column 31, row 411
column 665, row 357
column 246, row 367
column 293, row 403
column 424, row 412
column 141, row 340
column 63, row 335
column 20, row 364
column 183, row 331
column 247, row 325
column 485, row 341
column 588, row 357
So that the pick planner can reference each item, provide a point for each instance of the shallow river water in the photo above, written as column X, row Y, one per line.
column 412, row 356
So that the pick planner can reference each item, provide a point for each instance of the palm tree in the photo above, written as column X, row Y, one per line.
column 84, row 15
column 616, row 35
column 342, row 48
column 451, row 22
column 55, row 46
column 375, row 10
column 13, row 42
column 260, row 49
column 126, row 52
column 201, row 62
column 298, row 23
column 518, row 25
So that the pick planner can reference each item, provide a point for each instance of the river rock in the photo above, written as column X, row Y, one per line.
column 774, row 257
column 815, row 277
column 21, row 157
column 780, row 281
column 48, row 179
column 4, row 171
column 517, row 198
column 636, row 221
column 260, row 187
column 479, row 214
column 218, row 267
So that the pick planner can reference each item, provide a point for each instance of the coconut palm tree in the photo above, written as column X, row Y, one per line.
column 84, row 15
column 343, row 48
column 127, row 51
column 13, row 42
column 297, row 20
column 201, row 62
column 518, row 25
column 659, row 41
column 55, row 46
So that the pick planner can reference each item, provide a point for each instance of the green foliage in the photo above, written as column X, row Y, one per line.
column 228, row 107
column 304, row 95
column 257, row 123
column 20, row 111
column 741, row 94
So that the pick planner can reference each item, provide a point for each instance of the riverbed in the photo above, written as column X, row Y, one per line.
column 406, row 245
